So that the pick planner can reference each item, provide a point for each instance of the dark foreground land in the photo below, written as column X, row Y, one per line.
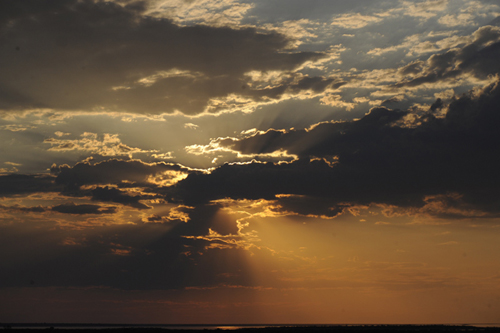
column 273, row 329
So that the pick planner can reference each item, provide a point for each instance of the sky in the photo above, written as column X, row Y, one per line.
column 250, row 161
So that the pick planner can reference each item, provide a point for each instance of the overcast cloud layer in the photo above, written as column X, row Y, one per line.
column 81, row 55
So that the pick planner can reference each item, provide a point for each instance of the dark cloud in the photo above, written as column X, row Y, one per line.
column 72, row 208
column 17, row 208
column 295, row 85
column 81, row 55
column 326, row 139
column 37, row 209
column 25, row 184
column 66, row 208
column 387, row 157
column 391, row 101
column 310, row 206
column 124, row 174
column 149, row 256
column 155, row 219
column 111, row 172
column 107, row 194
column 438, row 104
column 411, row 69
column 478, row 58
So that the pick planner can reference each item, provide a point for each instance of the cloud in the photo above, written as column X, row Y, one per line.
column 310, row 206
column 261, row 88
column 65, row 208
column 178, row 213
column 390, row 157
column 21, row 209
column 387, row 157
column 467, row 14
column 464, row 19
column 116, row 172
column 101, row 56
column 218, row 149
column 296, row 29
column 424, row 9
column 72, row 208
column 214, row 13
column 143, row 256
column 191, row 126
column 16, row 127
column 496, row 21
column 355, row 20
column 108, row 145
column 24, row 184
column 477, row 58
column 127, row 182
column 107, row 194
column 425, row 43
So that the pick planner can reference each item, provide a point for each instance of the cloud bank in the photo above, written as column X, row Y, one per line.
column 101, row 56
column 390, row 157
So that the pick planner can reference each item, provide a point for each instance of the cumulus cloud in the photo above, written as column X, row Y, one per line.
column 355, row 21
column 218, row 148
column 310, row 206
column 381, row 158
column 72, row 208
column 109, row 194
column 468, row 13
column 419, row 44
column 478, row 58
column 296, row 30
column 107, row 145
column 457, row 20
column 215, row 13
column 261, row 88
column 389, row 157
column 424, row 9
column 178, row 213
column 99, row 55
column 24, row 184
column 116, row 172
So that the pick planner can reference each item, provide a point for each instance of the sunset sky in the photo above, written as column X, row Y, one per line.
column 250, row 161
